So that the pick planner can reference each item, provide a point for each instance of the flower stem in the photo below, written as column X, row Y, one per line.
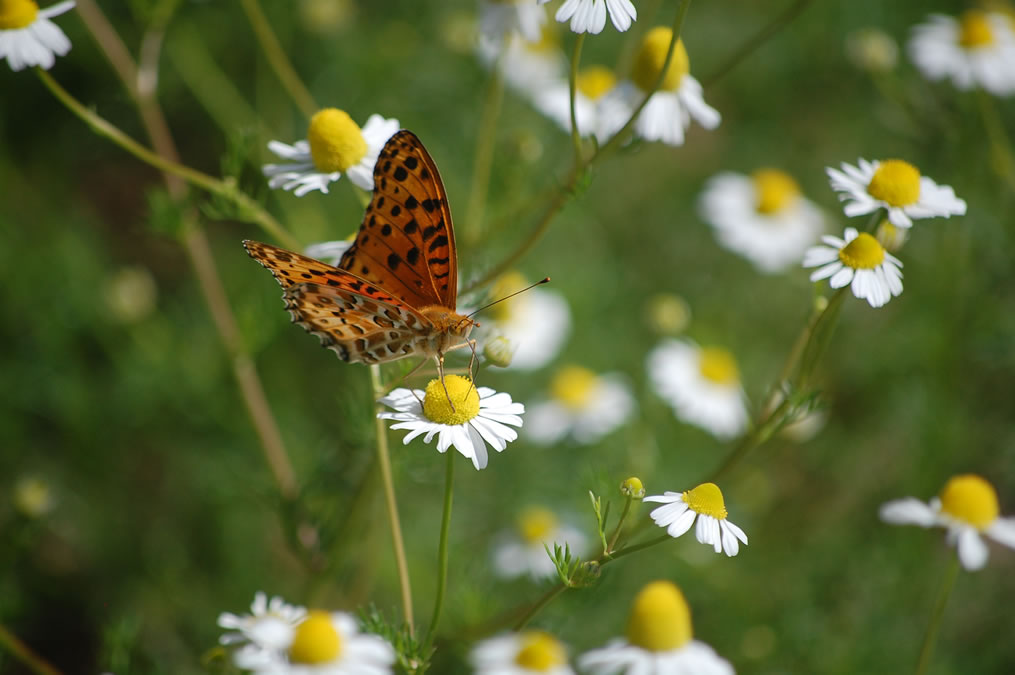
column 442, row 551
column 384, row 462
column 277, row 58
column 538, row 605
column 22, row 653
column 930, row 638
column 483, row 160
column 576, row 57
column 620, row 524
column 1000, row 146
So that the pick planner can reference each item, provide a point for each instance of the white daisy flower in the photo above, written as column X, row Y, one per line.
column 762, row 217
column 589, row 16
column 702, row 385
column 473, row 417
column 265, row 633
column 658, row 642
column 584, row 406
column 530, row 68
column 592, row 84
column 500, row 19
column 967, row 507
column 535, row 323
column 859, row 261
column 521, row 654
column 28, row 37
column 335, row 145
column 705, row 503
column 330, row 252
column 896, row 186
column 329, row 643
column 669, row 112
column 975, row 50
column 524, row 550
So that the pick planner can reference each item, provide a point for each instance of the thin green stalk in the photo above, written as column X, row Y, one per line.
column 277, row 58
column 1000, row 146
column 21, row 652
column 251, row 211
column 482, row 163
column 930, row 638
column 384, row 462
column 576, row 57
column 761, row 37
column 545, row 600
column 620, row 525
column 442, row 551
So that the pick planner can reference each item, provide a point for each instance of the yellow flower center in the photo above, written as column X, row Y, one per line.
column 573, row 386
column 895, row 182
column 540, row 652
column 16, row 14
column 863, row 253
column 974, row 30
column 315, row 640
column 660, row 618
column 652, row 55
column 595, row 81
column 632, row 487
column 506, row 284
column 457, row 405
column 707, row 500
column 717, row 365
column 970, row 499
column 775, row 190
column 336, row 142
column 535, row 524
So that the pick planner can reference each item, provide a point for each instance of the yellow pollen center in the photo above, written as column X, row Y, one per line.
column 316, row 640
column 15, row 14
column 595, row 81
column 540, row 652
column 336, row 142
column 633, row 487
column 775, row 190
column 717, row 365
column 535, row 524
column 863, row 253
column 706, row 499
column 970, row 499
column 457, row 405
column 660, row 618
column 506, row 284
column 974, row 30
column 573, row 386
column 895, row 182
column 651, row 57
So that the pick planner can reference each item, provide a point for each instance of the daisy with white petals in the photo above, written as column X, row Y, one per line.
column 704, row 503
column 589, row 16
column 28, row 37
column 521, row 654
column 583, row 405
column 859, row 261
column 701, row 384
column 762, row 217
column 897, row 187
column 468, row 420
column 658, row 642
column 334, row 145
column 330, row 643
column 528, row 67
column 975, row 50
column 591, row 86
column 524, row 550
column 265, row 633
column 968, row 508
column 669, row 111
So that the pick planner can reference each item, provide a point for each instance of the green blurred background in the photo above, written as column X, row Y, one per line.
column 164, row 511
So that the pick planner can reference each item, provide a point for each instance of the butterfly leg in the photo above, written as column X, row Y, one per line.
column 440, row 372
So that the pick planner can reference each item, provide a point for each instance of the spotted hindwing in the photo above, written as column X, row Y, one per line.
column 352, row 316
column 406, row 244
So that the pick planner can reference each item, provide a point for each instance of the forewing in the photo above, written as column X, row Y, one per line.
column 290, row 268
column 406, row 244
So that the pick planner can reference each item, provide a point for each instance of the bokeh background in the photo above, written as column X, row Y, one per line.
column 118, row 395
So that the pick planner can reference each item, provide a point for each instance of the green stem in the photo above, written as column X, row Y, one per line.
column 538, row 605
column 756, row 41
column 384, row 462
column 442, row 551
column 930, row 638
column 251, row 210
column 277, row 58
column 483, row 160
column 21, row 652
column 576, row 57
column 1000, row 146
column 620, row 524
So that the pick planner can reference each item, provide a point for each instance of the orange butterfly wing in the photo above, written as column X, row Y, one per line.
column 406, row 244
column 350, row 315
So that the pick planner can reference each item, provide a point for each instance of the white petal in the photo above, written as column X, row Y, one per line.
column 972, row 549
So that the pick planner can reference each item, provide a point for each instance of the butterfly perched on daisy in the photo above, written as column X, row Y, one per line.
column 394, row 292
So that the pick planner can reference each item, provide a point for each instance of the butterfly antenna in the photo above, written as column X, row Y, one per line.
column 544, row 280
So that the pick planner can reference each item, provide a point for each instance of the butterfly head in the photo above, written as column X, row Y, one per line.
column 450, row 328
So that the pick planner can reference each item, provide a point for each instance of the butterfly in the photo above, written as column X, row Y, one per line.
column 395, row 290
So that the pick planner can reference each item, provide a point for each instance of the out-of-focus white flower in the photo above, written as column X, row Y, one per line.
column 528, row 653
column 872, row 49
column 265, row 633
column 583, row 405
column 530, row 68
column 524, row 550
column 501, row 19
column 975, row 50
column 535, row 323
column 591, row 87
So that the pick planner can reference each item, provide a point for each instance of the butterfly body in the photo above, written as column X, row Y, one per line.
column 394, row 292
